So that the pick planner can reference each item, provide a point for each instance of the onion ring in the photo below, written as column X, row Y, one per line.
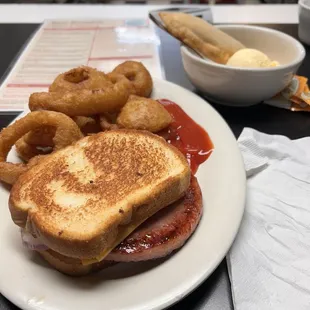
column 42, row 136
column 27, row 151
column 40, row 140
column 66, row 133
column 84, row 102
column 12, row 171
column 138, row 75
column 36, row 142
column 80, row 78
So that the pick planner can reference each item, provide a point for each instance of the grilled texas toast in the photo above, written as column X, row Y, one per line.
column 85, row 199
column 158, row 236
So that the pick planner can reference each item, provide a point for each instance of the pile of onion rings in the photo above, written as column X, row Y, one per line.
column 85, row 102
column 81, row 101
column 66, row 132
column 85, row 91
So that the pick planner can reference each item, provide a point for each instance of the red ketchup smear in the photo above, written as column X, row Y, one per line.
column 186, row 135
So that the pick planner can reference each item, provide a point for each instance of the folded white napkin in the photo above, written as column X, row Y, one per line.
column 269, row 262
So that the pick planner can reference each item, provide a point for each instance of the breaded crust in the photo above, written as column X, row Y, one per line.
column 88, row 197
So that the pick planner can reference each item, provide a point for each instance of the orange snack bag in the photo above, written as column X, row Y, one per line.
column 296, row 96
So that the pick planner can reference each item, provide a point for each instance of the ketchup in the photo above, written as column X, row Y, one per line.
column 186, row 135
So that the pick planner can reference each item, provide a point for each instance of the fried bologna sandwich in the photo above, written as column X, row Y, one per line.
column 85, row 199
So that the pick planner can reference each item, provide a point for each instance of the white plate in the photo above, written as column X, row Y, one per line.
column 30, row 284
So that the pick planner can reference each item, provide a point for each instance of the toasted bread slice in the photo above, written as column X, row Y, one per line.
column 158, row 236
column 85, row 199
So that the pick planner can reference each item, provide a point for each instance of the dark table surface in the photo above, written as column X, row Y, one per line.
column 214, row 293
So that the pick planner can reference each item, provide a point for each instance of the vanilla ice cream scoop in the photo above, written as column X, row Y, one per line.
column 250, row 58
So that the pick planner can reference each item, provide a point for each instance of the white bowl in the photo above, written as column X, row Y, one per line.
column 245, row 86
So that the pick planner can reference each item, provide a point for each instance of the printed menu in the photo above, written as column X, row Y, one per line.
column 60, row 45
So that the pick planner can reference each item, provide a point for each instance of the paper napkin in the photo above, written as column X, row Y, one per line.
column 269, row 262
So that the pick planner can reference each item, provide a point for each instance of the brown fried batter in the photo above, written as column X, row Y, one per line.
column 27, row 151
column 66, row 133
column 42, row 136
column 36, row 142
column 139, row 77
column 145, row 114
column 80, row 78
column 85, row 102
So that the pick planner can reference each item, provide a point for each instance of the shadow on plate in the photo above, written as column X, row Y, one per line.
column 7, row 187
column 116, row 272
